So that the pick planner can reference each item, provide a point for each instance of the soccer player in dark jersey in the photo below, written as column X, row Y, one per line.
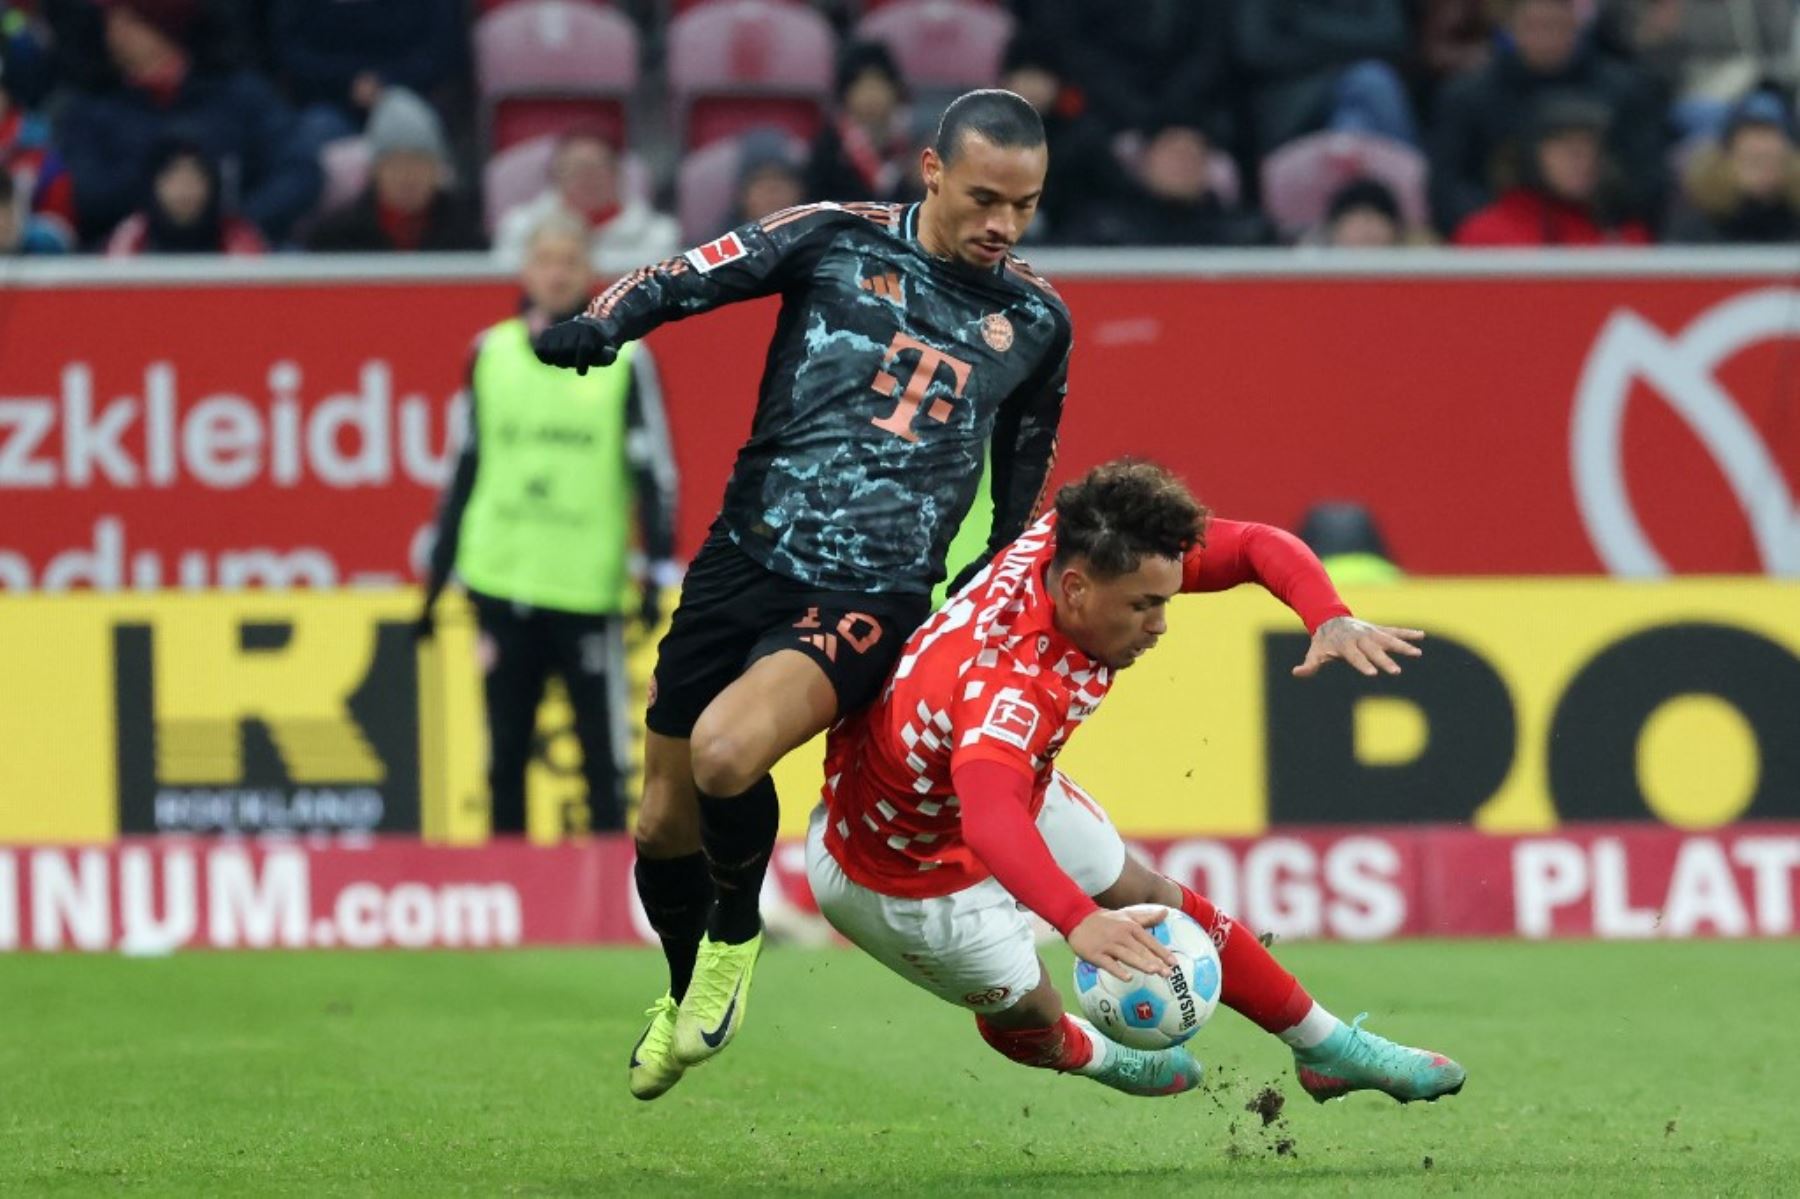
column 911, row 346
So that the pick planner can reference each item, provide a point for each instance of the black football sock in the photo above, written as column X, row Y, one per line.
column 677, row 894
column 739, row 835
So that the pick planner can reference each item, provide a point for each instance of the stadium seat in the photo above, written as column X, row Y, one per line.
column 1298, row 179
column 706, row 184
column 543, row 65
column 869, row 6
column 521, row 171
column 1221, row 170
column 737, row 64
column 942, row 45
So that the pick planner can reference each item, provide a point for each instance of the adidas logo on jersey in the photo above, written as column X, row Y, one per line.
column 887, row 286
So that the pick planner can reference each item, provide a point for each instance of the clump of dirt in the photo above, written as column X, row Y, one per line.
column 1427, row 1163
column 1284, row 1147
column 1267, row 1104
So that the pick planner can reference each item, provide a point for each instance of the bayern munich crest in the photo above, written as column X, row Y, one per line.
column 997, row 331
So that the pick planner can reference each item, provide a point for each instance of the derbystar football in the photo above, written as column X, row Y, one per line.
column 1148, row 1011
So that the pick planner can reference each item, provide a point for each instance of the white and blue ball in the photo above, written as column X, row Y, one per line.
column 1149, row 1011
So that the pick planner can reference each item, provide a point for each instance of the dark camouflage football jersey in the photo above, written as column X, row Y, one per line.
column 890, row 375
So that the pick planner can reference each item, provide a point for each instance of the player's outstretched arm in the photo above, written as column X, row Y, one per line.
column 753, row 260
column 1369, row 648
column 997, row 826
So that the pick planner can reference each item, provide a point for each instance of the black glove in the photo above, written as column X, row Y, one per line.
column 579, row 343
column 650, row 606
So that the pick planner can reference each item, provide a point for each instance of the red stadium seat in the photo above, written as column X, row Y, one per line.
column 518, row 173
column 942, row 45
column 1298, row 179
column 869, row 6
column 706, row 185
column 737, row 64
column 543, row 65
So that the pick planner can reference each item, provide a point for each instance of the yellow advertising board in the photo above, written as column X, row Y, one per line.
column 1538, row 702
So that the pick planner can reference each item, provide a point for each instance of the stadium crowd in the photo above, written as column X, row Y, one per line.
column 248, row 126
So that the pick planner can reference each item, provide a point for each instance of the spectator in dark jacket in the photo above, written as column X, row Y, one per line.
column 1480, row 114
column 409, row 203
column 1746, row 190
column 1136, row 64
column 185, row 214
column 1087, row 171
column 866, row 151
column 1173, row 201
column 1317, row 64
column 771, row 176
column 1563, row 191
column 336, row 57
column 107, row 135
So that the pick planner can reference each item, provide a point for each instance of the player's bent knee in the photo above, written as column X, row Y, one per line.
column 1137, row 883
column 724, row 764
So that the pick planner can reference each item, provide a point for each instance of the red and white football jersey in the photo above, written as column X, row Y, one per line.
column 989, row 677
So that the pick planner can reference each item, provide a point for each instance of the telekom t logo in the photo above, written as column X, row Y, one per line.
column 900, row 420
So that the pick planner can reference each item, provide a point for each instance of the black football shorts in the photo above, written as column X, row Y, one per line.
column 734, row 611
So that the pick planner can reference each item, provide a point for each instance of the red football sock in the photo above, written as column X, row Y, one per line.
column 1255, row 984
column 1062, row 1046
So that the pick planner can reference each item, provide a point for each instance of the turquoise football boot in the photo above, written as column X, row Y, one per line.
column 1352, row 1059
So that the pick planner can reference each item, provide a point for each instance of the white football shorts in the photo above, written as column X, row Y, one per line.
column 972, row 947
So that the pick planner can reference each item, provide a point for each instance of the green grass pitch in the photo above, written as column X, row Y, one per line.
column 1594, row 1069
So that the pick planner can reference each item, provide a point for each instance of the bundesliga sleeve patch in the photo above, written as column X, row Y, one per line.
column 1011, row 719
column 715, row 254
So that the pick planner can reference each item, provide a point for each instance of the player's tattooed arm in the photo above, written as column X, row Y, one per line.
column 1369, row 648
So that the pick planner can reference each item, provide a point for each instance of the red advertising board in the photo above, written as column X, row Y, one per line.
column 155, row 895
column 1498, row 420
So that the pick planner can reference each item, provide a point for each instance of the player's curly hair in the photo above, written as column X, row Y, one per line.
column 1124, row 511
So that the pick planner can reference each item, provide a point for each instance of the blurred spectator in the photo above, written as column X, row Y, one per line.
column 21, row 231
column 1363, row 214
column 1173, row 201
column 1746, row 190
column 336, row 56
column 1455, row 36
column 41, row 203
column 1561, row 197
column 1083, row 167
column 185, row 214
column 586, row 182
column 1349, row 543
column 106, row 135
column 1480, row 114
column 866, row 149
column 555, row 475
column 410, row 203
column 771, row 176
column 1704, row 55
column 1317, row 64
column 1137, row 64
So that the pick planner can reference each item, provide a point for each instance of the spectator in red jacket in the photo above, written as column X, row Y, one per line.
column 185, row 214
column 1561, row 194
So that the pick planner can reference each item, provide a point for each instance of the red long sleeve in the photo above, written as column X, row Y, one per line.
column 998, row 829
column 1242, row 552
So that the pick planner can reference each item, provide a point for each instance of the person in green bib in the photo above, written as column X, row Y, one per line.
column 562, row 481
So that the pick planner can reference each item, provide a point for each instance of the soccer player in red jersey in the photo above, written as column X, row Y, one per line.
column 943, row 812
